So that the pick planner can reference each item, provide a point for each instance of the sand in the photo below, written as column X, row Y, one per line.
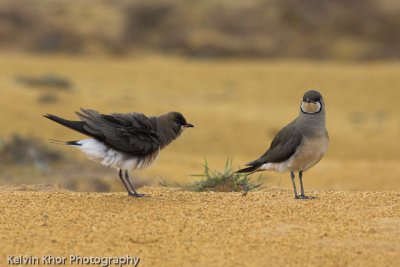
column 171, row 227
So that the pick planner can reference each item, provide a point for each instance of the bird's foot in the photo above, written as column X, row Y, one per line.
column 302, row 196
column 136, row 194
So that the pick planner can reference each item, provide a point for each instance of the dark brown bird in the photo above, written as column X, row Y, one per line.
column 127, row 141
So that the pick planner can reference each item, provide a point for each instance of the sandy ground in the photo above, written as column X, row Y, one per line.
column 179, row 228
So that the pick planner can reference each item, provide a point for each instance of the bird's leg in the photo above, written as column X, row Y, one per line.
column 303, row 196
column 132, row 192
column 125, row 183
column 301, row 185
column 294, row 185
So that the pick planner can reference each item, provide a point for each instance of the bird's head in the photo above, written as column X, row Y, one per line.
column 177, row 122
column 170, row 126
column 312, row 102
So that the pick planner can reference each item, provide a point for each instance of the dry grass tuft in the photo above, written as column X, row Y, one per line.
column 224, row 181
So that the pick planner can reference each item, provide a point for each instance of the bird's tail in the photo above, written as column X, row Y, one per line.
column 250, row 169
column 74, row 125
column 69, row 143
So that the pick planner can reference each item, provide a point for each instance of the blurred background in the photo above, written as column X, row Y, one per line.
column 235, row 69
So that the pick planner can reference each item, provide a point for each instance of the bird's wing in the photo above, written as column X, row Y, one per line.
column 282, row 147
column 131, row 132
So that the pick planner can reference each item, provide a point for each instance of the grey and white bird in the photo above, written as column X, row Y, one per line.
column 298, row 146
column 127, row 141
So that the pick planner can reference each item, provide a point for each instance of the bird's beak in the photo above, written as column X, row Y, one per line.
column 189, row 125
column 309, row 101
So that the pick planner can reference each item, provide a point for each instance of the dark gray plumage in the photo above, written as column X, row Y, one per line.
column 124, row 141
column 282, row 147
column 298, row 146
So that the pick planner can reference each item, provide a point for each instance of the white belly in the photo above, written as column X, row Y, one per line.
column 110, row 157
column 307, row 155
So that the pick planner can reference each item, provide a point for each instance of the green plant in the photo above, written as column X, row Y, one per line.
column 225, row 181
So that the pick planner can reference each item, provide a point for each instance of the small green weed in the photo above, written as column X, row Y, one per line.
column 225, row 181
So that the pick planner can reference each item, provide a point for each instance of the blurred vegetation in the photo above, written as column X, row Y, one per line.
column 339, row 29
column 20, row 150
column 45, row 81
